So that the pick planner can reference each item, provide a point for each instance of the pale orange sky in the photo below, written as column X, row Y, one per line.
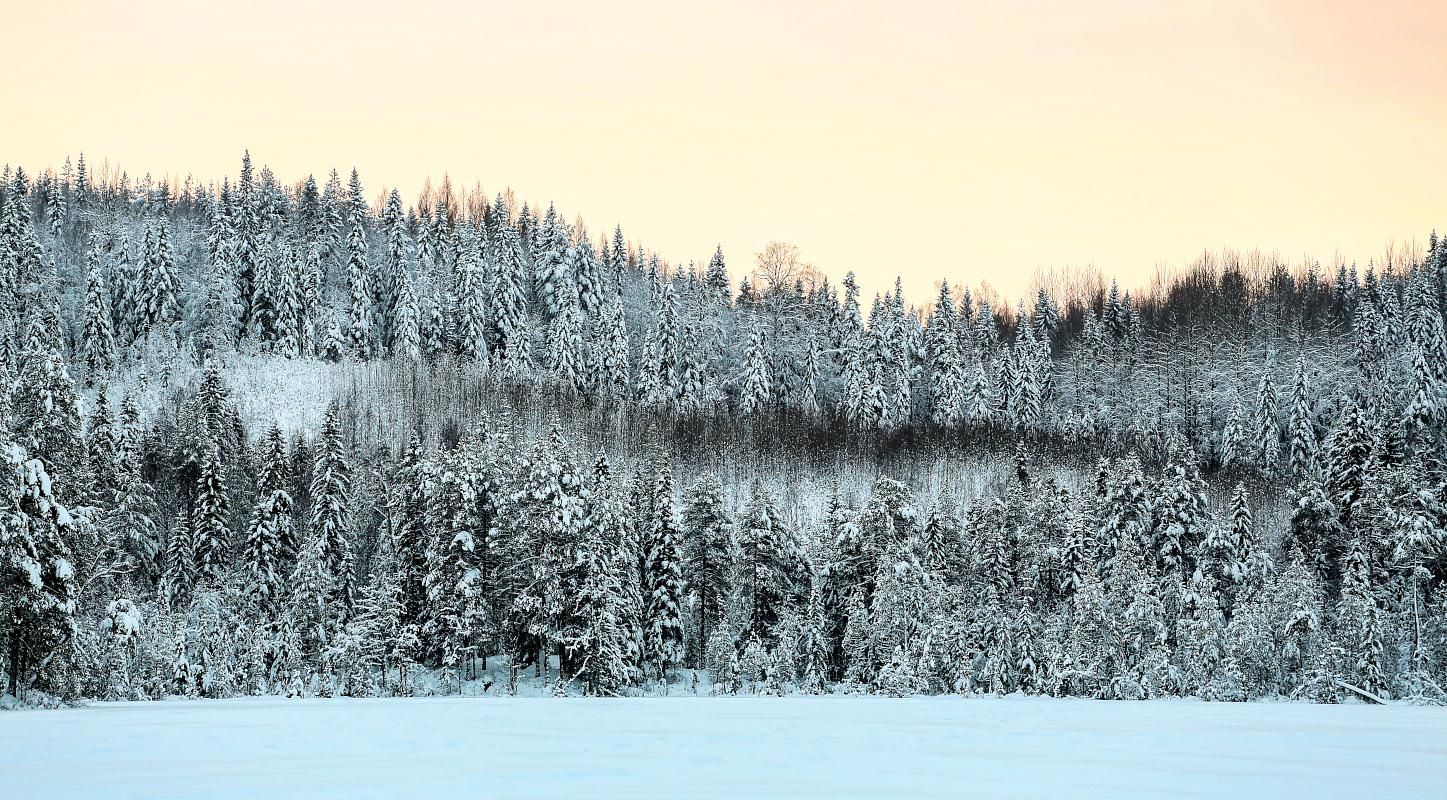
column 968, row 140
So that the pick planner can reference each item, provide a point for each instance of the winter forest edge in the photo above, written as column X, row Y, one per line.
column 504, row 438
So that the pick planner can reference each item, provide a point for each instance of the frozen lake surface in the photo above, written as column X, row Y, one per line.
column 797, row 747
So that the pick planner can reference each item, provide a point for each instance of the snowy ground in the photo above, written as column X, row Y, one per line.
column 833, row 747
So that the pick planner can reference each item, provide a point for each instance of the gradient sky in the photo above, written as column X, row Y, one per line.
column 968, row 140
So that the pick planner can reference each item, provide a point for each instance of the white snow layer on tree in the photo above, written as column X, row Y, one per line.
column 824, row 747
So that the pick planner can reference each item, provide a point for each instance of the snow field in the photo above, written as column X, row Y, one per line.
column 795, row 747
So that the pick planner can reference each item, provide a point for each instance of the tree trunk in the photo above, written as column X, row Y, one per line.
column 14, row 660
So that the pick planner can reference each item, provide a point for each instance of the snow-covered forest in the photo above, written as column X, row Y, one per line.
column 491, row 435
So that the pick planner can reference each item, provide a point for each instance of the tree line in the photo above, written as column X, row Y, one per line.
column 1266, row 518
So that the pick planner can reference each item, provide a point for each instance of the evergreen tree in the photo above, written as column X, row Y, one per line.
column 1268, row 432
column 360, row 336
column 1303, row 450
column 210, row 534
column 406, row 329
column 663, row 587
column 471, row 313
column 39, row 589
column 330, row 546
column 99, row 340
column 765, row 573
column 44, row 413
column 707, row 552
column 161, row 285
column 757, row 391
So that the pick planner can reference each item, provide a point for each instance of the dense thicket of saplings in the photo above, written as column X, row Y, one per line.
column 1231, row 487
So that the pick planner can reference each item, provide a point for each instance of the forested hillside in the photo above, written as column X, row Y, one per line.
column 267, row 437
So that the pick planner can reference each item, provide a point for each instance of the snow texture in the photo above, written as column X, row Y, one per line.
column 826, row 747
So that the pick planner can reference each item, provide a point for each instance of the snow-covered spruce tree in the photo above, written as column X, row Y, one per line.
column 508, row 305
column 455, row 554
column 98, row 340
column 549, row 506
column 946, row 366
column 1427, row 387
column 406, row 326
column 553, row 265
column 360, row 336
column 938, row 544
column 330, row 521
column 756, row 389
column 1348, row 460
column 588, row 277
column 656, row 377
column 598, row 642
column 663, row 580
column 38, row 581
column 1267, row 427
column 1302, row 451
column 161, row 284
column 708, row 545
column 210, row 533
column 127, row 310
column 1181, row 521
column 565, row 343
column 44, row 414
column 765, row 571
column 270, row 546
column 471, row 319
column 691, row 396
column 132, row 520
column 389, row 275
column 1359, row 623
column 610, row 363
